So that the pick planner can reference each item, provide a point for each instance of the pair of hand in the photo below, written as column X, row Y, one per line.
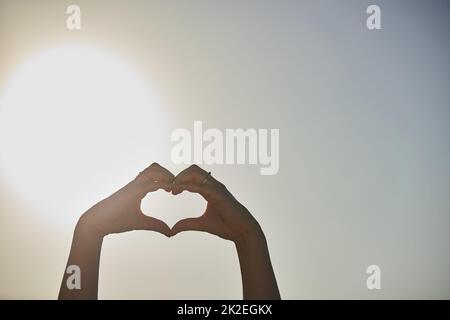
column 224, row 215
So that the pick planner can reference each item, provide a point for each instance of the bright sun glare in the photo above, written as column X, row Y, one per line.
column 76, row 122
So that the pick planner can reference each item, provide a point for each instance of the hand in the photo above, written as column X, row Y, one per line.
column 224, row 215
column 227, row 218
column 121, row 211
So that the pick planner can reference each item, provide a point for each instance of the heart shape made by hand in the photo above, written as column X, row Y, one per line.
column 171, row 209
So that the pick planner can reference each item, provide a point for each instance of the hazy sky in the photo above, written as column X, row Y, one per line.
column 364, row 125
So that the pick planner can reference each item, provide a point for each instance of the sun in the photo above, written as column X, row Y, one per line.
column 75, row 123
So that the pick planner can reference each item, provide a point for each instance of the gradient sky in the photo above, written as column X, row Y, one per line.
column 364, row 119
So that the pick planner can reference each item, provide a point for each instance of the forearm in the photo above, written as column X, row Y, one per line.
column 258, row 278
column 84, row 253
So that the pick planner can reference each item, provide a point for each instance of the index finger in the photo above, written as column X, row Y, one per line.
column 156, row 173
column 195, row 179
column 153, row 178
column 196, row 175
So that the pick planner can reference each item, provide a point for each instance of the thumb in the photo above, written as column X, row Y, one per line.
column 189, row 224
column 149, row 223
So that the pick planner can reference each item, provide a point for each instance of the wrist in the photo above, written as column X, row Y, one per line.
column 253, row 237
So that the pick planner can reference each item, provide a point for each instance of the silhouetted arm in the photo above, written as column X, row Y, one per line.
column 228, row 219
column 84, row 253
column 118, row 213
column 258, row 278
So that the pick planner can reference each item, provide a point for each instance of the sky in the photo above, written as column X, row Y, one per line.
column 363, row 117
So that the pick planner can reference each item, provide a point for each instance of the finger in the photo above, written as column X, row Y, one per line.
column 189, row 224
column 206, row 191
column 153, row 178
column 156, row 172
column 140, row 189
column 193, row 174
column 150, row 186
column 149, row 223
